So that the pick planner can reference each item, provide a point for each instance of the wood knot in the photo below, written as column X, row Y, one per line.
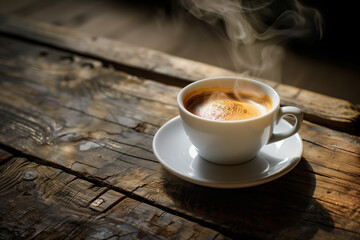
column 43, row 53
column 68, row 59
column 140, row 127
column 88, row 65
column 30, row 175
column 68, row 78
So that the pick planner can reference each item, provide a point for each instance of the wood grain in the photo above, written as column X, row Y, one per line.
column 4, row 156
column 46, row 203
column 327, row 111
column 97, row 123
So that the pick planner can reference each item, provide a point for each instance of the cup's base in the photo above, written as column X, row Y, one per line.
column 227, row 162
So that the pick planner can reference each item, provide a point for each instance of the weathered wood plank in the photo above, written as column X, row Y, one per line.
column 74, row 113
column 332, row 112
column 46, row 203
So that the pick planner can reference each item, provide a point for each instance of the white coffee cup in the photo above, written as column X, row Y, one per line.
column 234, row 142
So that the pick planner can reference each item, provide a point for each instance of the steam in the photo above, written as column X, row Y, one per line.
column 257, row 29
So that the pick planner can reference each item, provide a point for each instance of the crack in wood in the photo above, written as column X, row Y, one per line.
column 335, row 169
column 129, row 155
column 138, row 187
column 130, row 145
column 316, row 173
column 336, row 148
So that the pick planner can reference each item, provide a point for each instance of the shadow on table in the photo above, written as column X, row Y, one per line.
column 281, row 208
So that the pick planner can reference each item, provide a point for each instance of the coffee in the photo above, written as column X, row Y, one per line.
column 222, row 104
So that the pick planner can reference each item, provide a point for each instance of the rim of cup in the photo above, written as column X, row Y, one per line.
column 275, row 102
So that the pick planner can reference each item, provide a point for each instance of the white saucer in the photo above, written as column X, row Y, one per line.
column 175, row 152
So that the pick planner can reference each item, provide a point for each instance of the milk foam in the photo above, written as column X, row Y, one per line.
column 229, row 110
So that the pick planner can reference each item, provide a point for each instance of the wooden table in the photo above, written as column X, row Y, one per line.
column 77, row 119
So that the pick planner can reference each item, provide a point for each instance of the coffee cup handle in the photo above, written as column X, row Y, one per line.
column 292, row 111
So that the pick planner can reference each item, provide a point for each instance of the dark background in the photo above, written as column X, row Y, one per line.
column 329, row 65
column 340, row 42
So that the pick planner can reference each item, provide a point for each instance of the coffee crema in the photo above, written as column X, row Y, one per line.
column 223, row 104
